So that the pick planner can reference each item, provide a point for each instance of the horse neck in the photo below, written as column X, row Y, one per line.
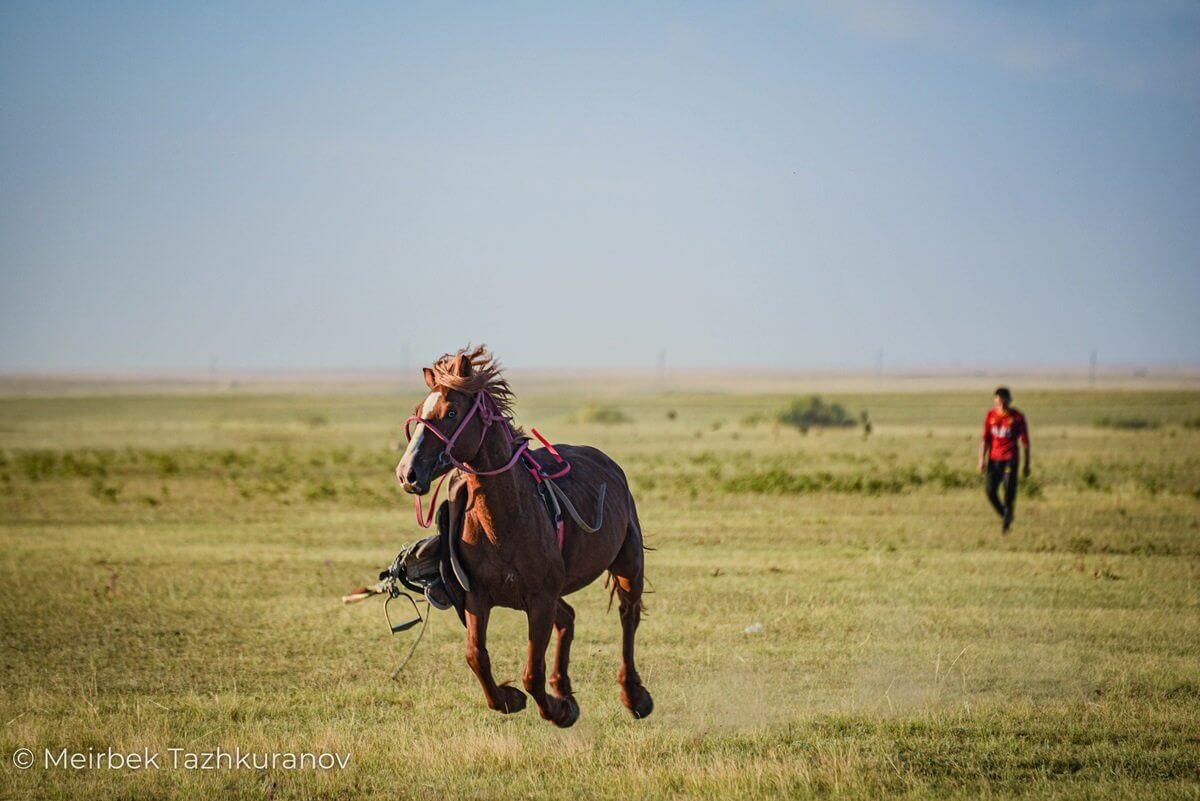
column 501, row 495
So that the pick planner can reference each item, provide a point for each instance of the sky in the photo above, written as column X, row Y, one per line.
column 781, row 184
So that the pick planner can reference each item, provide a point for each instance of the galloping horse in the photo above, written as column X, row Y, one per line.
column 511, row 549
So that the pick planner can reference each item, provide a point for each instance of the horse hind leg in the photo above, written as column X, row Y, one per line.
column 564, row 627
column 628, row 575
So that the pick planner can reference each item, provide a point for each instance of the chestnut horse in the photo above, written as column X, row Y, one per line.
column 513, row 555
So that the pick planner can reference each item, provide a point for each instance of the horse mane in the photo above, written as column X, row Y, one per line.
column 486, row 375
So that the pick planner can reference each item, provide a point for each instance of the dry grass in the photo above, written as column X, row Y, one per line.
column 171, row 566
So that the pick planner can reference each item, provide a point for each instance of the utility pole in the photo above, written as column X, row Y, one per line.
column 1092, row 371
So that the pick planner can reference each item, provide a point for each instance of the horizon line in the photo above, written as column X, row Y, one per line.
column 1123, row 369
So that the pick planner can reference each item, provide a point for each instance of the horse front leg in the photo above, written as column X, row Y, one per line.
column 562, row 712
column 502, row 698
column 564, row 628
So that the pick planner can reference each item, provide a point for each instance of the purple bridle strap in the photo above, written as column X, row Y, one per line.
column 484, row 406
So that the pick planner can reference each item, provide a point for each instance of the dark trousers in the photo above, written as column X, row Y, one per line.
column 1003, row 473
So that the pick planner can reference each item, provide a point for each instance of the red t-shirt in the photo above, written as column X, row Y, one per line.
column 1002, row 430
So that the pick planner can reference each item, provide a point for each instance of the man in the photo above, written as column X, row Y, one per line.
column 1003, row 428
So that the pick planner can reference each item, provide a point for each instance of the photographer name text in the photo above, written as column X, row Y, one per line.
column 183, row 759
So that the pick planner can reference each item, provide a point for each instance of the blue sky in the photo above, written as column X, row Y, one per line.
column 781, row 184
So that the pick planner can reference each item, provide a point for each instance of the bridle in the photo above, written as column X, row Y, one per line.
column 489, row 412
column 485, row 406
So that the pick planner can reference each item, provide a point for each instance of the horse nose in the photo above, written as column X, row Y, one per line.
column 411, row 477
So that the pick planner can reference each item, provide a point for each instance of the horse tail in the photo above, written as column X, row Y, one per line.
column 633, row 529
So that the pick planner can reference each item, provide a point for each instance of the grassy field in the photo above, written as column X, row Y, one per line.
column 171, row 566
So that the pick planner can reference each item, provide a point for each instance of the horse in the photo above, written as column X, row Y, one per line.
column 512, row 551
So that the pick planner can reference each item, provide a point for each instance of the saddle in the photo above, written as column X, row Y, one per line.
column 431, row 566
column 553, row 473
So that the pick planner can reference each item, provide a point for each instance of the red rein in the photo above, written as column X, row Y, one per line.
column 488, row 413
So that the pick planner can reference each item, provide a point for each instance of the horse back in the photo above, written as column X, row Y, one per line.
column 587, row 555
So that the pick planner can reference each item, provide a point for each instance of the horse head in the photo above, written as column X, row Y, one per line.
column 467, row 393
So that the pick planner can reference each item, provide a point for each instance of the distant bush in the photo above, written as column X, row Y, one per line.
column 167, row 464
column 947, row 477
column 1126, row 423
column 39, row 465
column 605, row 415
column 1080, row 545
column 324, row 491
column 813, row 412
column 1192, row 422
column 104, row 491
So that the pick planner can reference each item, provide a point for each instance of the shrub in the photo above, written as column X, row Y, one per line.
column 1090, row 479
column 605, row 415
column 85, row 463
column 325, row 491
column 167, row 464
column 1126, row 423
column 37, row 465
column 813, row 412
column 947, row 477
column 105, row 492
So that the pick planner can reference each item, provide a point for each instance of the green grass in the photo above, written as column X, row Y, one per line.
column 171, row 567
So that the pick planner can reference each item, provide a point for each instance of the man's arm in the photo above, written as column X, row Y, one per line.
column 1025, row 442
column 985, row 446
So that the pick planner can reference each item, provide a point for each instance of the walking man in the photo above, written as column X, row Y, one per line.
column 1003, row 428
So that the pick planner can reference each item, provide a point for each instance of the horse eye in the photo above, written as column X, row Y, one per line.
column 450, row 415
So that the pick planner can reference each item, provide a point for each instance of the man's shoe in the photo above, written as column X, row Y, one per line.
column 1008, row 519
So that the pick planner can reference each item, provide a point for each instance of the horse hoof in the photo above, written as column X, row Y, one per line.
column 572, row 713
column 641, row 705
column 511, row 700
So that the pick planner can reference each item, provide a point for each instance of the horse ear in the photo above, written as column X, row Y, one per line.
column 462, row 365
column 429, row 381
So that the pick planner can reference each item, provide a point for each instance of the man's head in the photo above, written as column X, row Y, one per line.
column 1002, row 398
